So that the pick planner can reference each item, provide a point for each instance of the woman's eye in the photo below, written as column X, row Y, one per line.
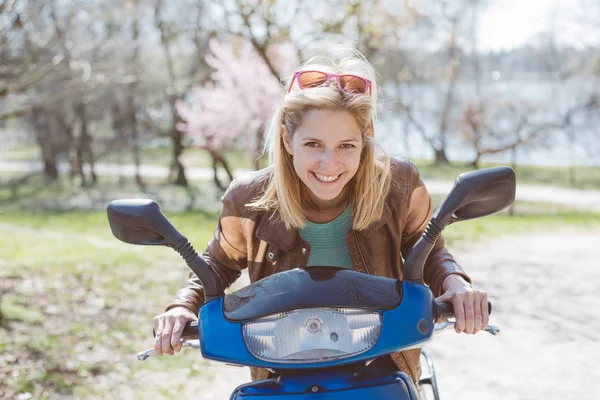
column 347, row 146
column 311, row 144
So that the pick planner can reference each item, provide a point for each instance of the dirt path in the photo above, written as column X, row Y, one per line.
column 544, row 288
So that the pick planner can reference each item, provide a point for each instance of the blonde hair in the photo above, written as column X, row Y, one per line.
column 368, row 188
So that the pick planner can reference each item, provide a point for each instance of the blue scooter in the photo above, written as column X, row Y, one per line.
column 325, row 333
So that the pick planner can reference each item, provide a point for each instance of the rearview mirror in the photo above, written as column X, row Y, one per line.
column 474, row 194
column 477, row 194
column 139, row 221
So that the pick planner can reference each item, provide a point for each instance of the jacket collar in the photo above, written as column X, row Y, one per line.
column 377, row 225
column 272, row 230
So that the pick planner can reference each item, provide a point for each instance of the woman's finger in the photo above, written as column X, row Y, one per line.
column 176, row 335
column 478, row 321
column 166, row 336
column 459, row 314
column 469, row 313
column 158, row 329
column 485, row 320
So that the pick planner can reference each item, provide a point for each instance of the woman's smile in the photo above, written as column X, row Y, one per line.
column 327, row 179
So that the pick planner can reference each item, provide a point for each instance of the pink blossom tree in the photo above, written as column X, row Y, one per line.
column 230, row 111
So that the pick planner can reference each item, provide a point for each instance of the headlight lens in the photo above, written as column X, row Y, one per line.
column 315, row 334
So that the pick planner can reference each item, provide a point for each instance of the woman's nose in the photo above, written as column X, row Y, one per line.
column 329, row 158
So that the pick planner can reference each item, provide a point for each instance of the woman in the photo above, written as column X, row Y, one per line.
column 326, row 199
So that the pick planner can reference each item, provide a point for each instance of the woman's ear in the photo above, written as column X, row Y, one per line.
column 287, row 140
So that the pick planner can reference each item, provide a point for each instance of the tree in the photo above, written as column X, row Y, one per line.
column 231, row 110
column 497, row 128
column 431, row 73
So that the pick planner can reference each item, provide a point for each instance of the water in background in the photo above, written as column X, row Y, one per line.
column 542, row 102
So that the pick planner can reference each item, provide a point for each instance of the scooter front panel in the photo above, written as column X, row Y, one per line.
column 409, row 324
column 324, row 386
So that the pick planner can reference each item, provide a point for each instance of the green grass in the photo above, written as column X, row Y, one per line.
column 29, row 152
column 520, row 223
column 91, row 293
column 584, row 177
column 69, row 241
column 12, row 309
column 195, row 224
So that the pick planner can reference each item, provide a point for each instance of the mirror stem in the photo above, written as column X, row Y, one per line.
column 415, row 262
column 213, row 288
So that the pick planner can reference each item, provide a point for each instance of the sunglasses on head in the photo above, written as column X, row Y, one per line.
column 346, row 82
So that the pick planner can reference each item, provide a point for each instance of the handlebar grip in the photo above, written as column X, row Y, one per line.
column 446, row 310
column 190, row 331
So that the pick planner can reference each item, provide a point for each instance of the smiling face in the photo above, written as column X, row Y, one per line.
column 326, row 150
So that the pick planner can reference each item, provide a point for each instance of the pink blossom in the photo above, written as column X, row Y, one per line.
column 229, row 111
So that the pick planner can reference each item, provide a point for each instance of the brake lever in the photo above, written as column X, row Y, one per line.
column 491, row 329
column 194, row 344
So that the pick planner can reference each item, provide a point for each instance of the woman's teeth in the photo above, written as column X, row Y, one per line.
column 325, row 178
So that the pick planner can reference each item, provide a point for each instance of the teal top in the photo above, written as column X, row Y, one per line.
column 328, row 241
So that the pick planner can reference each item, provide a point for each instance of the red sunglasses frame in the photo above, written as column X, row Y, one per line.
column 296, row 77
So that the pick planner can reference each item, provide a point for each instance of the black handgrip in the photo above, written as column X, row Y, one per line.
column 190, row 331
column 446, row 310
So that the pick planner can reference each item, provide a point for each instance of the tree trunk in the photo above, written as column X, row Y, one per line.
column 50, row 170
column 440, row 157
column 475, row 163
column 219, row 159
column 177, row 168
column 118, row 130
column 79, row 157
column 44, row 139
column 454, row 61
column 259, row 147
column 131, row 104
column 513, row 161
column 134, row 136
column 71, row 145
column 85, row 147
column 216, row 172
column 571, row 168
column 226, row 168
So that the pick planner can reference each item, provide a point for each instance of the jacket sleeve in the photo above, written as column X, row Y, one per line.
column 226, row 254
column 440, row 262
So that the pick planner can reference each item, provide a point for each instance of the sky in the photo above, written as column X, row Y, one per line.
column 506, row 24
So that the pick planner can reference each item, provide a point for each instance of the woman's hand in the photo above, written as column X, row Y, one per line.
column 168, row 327
column 470, row 305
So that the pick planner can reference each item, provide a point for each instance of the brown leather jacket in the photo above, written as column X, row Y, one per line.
column 247, row 238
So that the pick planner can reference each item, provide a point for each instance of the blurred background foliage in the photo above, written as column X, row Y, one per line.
column 102, row 99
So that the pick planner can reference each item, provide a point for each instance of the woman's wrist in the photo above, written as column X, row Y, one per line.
column 454, row 281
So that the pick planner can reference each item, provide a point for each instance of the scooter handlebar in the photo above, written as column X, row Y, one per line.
column 446, row 310
column 190, row 331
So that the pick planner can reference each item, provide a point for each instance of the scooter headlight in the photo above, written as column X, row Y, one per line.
column 315, row 334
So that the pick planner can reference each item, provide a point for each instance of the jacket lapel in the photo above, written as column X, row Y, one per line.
column 375, row 226
column 271, row 229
